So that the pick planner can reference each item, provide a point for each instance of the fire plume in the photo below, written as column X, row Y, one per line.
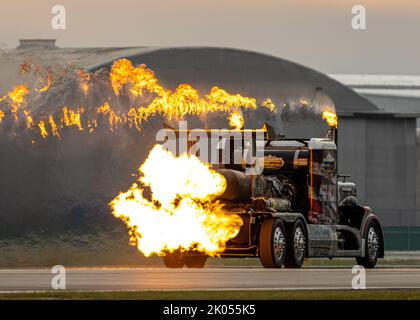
column 114, row 120
column 236, row 120
column 42, row 130
column 331, row 118
column 182, row 212
column 268, row 104
column 53, row 126
column 84, row 81
column 139, row 78
column 29, row 119
column 136, row 82
column 48, row 85
column 17, row 96
column 184, row 100
column 72, row 118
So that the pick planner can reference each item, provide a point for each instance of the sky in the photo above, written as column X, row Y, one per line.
column 315, row 33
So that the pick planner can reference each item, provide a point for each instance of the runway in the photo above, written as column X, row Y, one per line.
column 207, row 279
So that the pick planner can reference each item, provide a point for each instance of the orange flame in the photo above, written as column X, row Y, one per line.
column 84, row 80
column 53, row 126
column 140, row 78
column 17, row 96
column 185, row 100
column 72, row 118
column 236, row 120
column 182, row 213
column 29, row 120
column 268, row 104
column 49, row 83
column 113, row 119
column 42, row 130
column 331, row 118
column 25, row 67
column 138, row 81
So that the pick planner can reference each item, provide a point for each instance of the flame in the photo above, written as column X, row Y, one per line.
column 53, row 126
column 182, row 212
column 92, row 125
column 236, row 120
column 42, row 130
column 72, row 118
column 331, row 118
column 135, row 81
column 17, row 96
column 26, row 66
column 49, row 83
column 185, row 100
column 84, row 80
column 140, row 78
column 29, row 119
column 2, row 115
column 268, row 104
column 113, row 118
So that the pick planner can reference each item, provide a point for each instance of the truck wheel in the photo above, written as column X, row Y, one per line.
column 372, row 247
column 272, row 243
column 296, row 245
column 174, row 259
column 195, row 261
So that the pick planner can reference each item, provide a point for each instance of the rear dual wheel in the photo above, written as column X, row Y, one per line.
column 296, row 245
column 280, row 245
column 272, row 243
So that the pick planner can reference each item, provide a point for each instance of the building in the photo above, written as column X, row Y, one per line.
column 36, row 43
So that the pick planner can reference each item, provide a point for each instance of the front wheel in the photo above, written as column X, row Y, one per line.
column 372, row 247
column 272, row 244
column 296, row 245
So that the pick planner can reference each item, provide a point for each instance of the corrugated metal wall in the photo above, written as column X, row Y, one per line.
column 418, row 176
column 380, row 154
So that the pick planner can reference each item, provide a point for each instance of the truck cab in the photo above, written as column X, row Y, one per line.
column 296, row 207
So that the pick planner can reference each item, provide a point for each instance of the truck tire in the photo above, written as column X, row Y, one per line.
column 174, row 259
column 197, row 261
column 272, row 243
column 296, row 244
column 372, row 247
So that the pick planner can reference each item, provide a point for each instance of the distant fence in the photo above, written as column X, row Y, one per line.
column 402, row 238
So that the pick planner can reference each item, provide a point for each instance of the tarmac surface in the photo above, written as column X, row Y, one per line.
column 227, row 278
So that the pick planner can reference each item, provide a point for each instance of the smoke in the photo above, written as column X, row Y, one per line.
column 54, row 191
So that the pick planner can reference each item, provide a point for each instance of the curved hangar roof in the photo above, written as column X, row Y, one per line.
column 245, row 72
